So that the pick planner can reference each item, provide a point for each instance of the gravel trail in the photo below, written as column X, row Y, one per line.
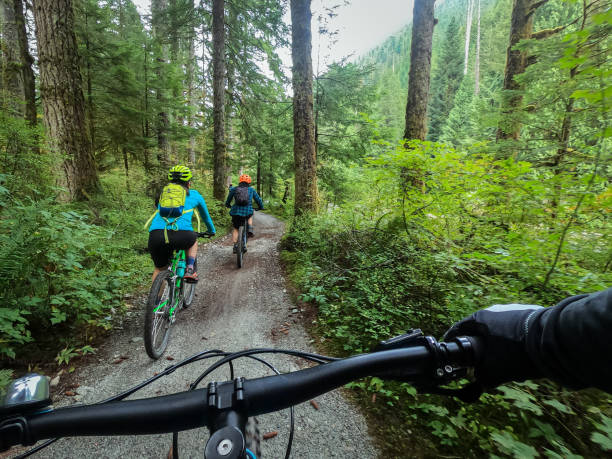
column 233, row 309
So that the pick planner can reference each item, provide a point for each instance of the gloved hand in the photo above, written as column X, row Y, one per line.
column 228, row 206
column 504, row 328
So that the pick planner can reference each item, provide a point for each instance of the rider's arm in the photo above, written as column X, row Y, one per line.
column 230, row 196
column 203, row 210
column 258, row 199
column 569, row 343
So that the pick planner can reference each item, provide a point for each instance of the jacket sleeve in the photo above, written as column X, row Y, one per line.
column 571, row 343
column 257, row 199
column 230, row 196
column 205, row 215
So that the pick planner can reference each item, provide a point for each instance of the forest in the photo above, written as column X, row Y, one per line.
column 464, row 162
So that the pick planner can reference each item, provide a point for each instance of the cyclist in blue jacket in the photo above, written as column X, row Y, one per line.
column 241, row 211
column 181, row 235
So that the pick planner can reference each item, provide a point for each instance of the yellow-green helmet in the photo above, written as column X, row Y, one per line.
column 180, row 172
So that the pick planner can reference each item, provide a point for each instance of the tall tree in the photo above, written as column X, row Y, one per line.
column 521, row 28
column 12, row 78
column 304, row 152
column 62, row 97
column 158, row 20
column 420, row 65
column 219, row 146
column 446, row 80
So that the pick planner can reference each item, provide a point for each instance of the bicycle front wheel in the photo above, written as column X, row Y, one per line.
column 157, row 315
column 240, row 251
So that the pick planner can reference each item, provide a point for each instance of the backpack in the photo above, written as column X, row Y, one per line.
column 172, row 200
column 241, row 195
column 172, row 206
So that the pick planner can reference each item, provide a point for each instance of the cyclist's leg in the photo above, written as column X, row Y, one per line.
column 249, row 227
column 160, row 252
column 236, row 222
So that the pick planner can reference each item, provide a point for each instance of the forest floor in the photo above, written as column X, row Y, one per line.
column 233, row 309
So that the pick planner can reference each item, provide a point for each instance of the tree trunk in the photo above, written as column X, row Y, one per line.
column 90, row 105
column 468, row 33
column 158, row 8
column 26, row 65
column 477, row 61
column 304, row 153
column 190, row 96
column 127, row 169
column 12, row 76
column 61, row 88
column 521, row 27
column 259, row 172
column 420, row 67
column 219, row 147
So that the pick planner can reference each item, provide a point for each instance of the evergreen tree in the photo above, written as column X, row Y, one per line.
column 446, row 80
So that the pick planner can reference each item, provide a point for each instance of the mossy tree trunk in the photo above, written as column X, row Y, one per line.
column 304, row 152
column 218, row 63
column 63, row 103
column 420, row 67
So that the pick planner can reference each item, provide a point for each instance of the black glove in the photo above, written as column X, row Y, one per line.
column 228, row 206
column 503, row 328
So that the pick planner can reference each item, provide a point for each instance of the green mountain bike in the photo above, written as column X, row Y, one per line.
column 169, row 293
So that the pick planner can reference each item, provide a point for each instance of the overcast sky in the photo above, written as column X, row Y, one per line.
column 361, row 25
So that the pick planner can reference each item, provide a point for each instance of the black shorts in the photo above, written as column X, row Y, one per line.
column 238, row 219
column 162, row 252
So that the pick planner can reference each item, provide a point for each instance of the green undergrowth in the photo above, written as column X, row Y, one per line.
column 416, row 250
column 67, row 271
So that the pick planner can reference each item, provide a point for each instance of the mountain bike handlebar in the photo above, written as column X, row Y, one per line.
column 430, row 363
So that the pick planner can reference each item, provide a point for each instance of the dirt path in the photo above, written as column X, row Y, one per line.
column 233, row 310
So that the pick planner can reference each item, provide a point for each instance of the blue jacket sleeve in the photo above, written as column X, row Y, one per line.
column 258, row 199
column 571, row 343
column 205, row 215
column 230, row 196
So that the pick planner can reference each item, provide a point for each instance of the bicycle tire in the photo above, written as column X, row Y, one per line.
column 158, row 321
column 240, row 251
column 252, row 437
column 189, row 289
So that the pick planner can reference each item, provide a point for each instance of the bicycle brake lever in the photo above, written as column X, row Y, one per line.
column 413, row 337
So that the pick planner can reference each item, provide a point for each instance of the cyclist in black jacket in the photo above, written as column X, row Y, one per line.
column 570, row 343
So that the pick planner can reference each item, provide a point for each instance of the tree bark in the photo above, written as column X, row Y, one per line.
column 477, row 60
column 26, row 65
column 191, row 62
column 420, row 66
column 521, row 28
column 61, row 88
column 219, row 146
column 158, row 7
column 468, row 33
column 12, row 78
column 304, row 153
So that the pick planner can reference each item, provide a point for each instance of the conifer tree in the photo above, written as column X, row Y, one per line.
column 446, row 80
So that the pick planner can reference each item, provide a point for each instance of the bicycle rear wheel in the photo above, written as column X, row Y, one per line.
column 240, row 251
column 189, row 289
column 157, row 315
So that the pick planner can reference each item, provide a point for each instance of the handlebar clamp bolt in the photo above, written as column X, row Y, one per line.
column 225, row 447
column 439, row 372
column 448, row 369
